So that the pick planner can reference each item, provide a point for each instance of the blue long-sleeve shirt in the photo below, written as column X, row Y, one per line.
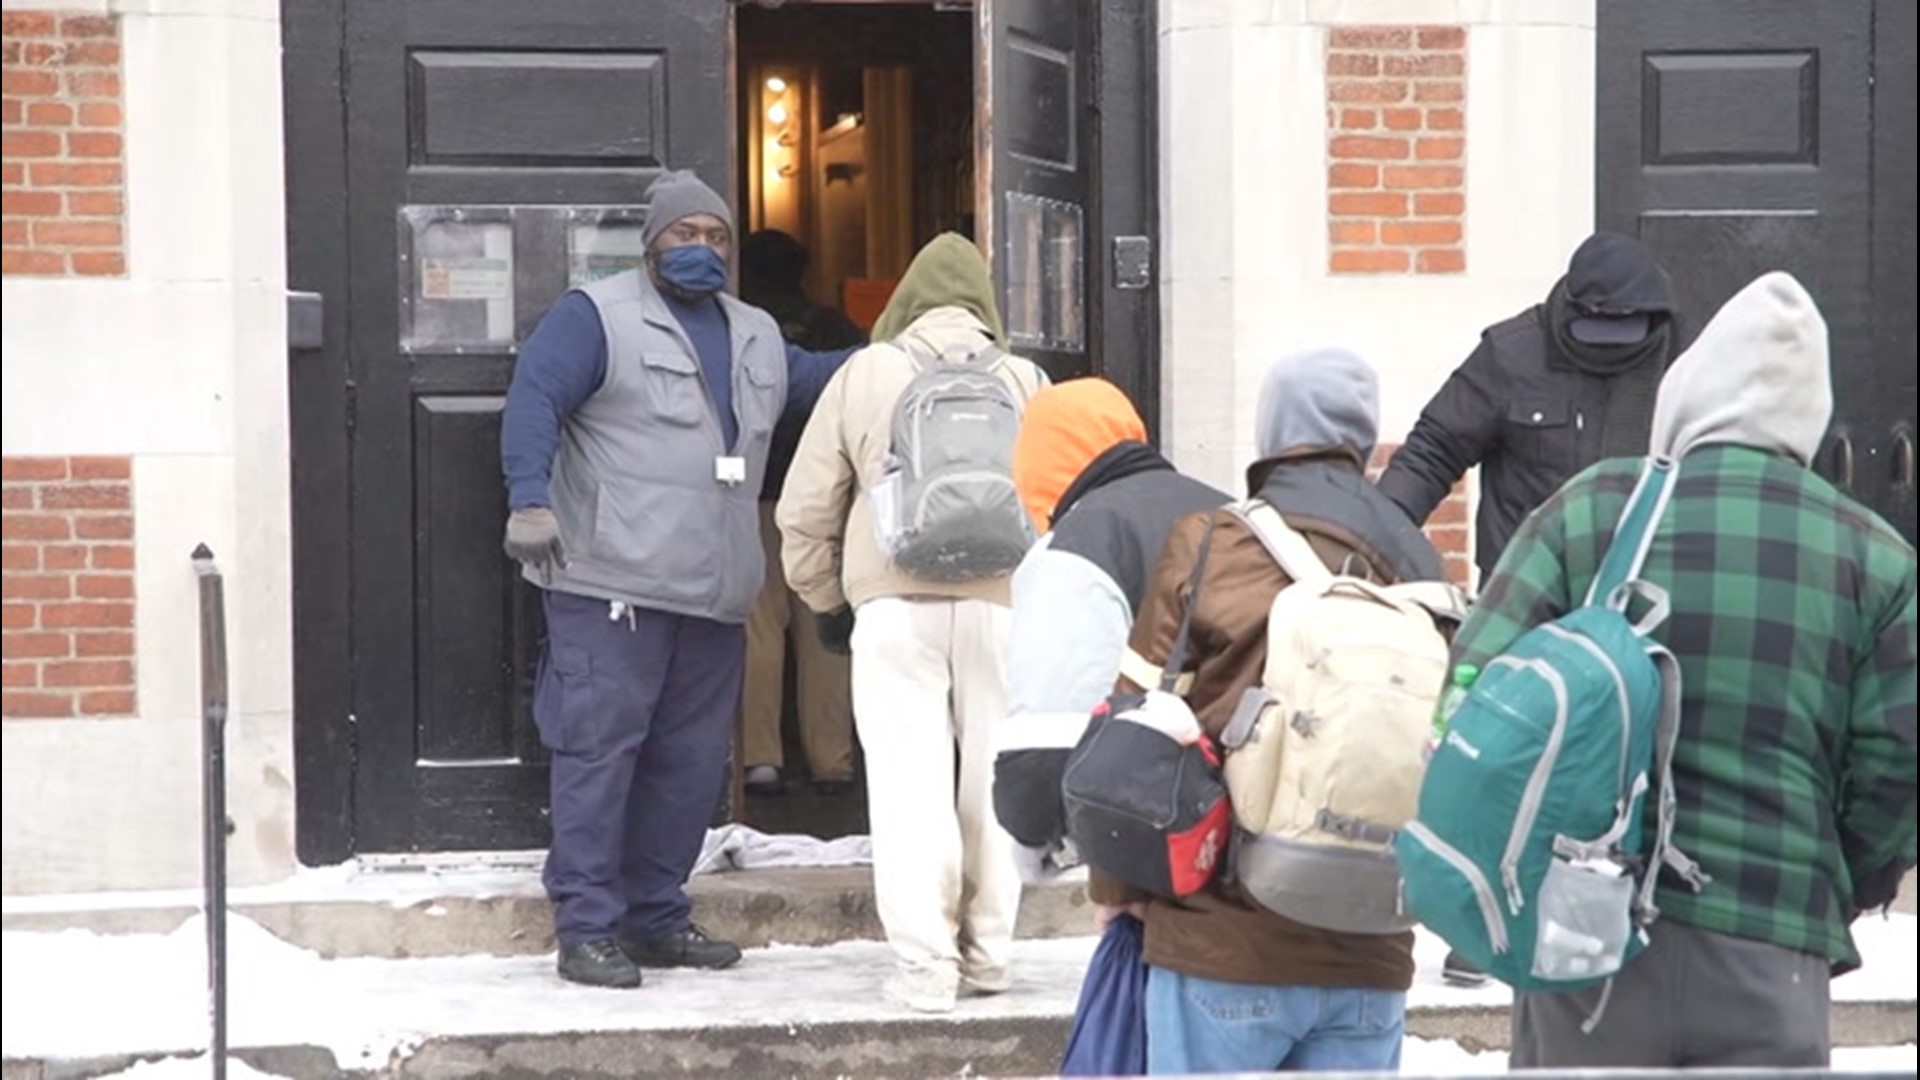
column 564, row 361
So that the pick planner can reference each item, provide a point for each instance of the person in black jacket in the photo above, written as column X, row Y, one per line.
column 1547, row 393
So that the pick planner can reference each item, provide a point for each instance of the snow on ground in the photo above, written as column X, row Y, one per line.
column 76, row 993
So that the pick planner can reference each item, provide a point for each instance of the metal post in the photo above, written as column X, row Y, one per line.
column 213, row 792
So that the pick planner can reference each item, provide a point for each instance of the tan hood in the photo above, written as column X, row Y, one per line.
column 1756, row 376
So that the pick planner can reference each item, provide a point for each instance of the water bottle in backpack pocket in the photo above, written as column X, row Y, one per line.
column 946, row 508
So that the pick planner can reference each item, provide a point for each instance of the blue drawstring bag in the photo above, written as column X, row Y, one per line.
column 1109, row 1036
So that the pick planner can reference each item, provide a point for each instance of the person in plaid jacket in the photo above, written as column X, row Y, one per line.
column 1793, row 620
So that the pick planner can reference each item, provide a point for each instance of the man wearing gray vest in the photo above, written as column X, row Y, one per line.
column 634, row 441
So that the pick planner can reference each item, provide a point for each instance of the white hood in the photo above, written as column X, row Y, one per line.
column 1757, row 376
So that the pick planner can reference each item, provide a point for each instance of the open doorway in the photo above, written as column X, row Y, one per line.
column 856, row 141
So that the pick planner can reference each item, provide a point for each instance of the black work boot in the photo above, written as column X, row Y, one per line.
column 600, row 962
column 688, row 948
column 1458, row 972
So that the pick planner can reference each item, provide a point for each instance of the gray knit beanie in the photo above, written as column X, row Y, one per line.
column 677, row 195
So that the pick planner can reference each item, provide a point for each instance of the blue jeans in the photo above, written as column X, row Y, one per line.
column 1198, row 1025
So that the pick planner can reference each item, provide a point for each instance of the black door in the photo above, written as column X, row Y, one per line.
column 493, row 153
column 1071, row 144
column 1741, row 136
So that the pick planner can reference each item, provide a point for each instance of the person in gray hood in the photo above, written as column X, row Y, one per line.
column 634, row 442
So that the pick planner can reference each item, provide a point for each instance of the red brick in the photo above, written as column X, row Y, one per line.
column 1440, row 148
column 89, row 26
column 98, row 263
column 20, row 556
column 49, row 113
column 39, row 703
column 1401, row 119
column 76, row 615
column 101, row 468
column 1451, row 511
column 1368, row 204
column 1420, row 233
column 104, row 587
column 36, row 586
column 74, row 174
column 103, row 527
column 1352, row 233
column 1449, row 540
column 20, row 202
column 1443, row 37
column 1427, row 66
column 1366, row 91
column 1368, row 261
column 31, row 144
column 13, row 173
column 96, row 203
column 1442, row 261
column 93, row 144
column 86, row 497
column 14, row 234
column 107, row 702
column 19, row 616
column 26, row 82
column 99, row 114
column 101, row 53
column 1370, row 37
column 60, row 233
column 64, row 556
column 1350, row 63
column 1446, row 120
column 112, row 557
column 1346, row 174
column 93, row 84
column 1439, row 204
column 14, row 675
column 1358, row 119
column 27, row 24
column 88, row 673
column 31, row 262
column 1459, row 570
column 17, row 498
column 36, row 527
column 1444, row 90
column 111, row 642
column 1368, row 148
column 27, row 644
column 12, row 112
column 1407, row 177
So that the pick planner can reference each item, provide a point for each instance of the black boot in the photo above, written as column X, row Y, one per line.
column 600, row 962
column 1457, row 972
column 688, row 948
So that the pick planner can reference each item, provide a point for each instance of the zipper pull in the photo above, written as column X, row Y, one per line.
column 1511, row 875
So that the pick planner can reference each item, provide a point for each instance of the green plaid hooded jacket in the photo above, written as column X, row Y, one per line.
column 1793, row 621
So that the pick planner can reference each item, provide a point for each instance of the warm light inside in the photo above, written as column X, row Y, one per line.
column 777, row 115
column 777, row 85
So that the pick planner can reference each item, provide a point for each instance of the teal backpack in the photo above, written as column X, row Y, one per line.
column 1527, row 852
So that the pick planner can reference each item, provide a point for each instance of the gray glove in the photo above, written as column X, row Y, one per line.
column 533, row 538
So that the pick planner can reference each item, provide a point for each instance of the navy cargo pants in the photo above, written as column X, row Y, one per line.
column 638, row 711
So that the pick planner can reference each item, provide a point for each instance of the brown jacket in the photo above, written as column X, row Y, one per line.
column 1217, row 934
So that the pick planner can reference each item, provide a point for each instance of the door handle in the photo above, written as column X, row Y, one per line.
column 1842, row 461
column 1903, row 460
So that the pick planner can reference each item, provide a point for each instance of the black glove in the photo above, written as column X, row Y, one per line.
column 533, row 538
column 836, row 630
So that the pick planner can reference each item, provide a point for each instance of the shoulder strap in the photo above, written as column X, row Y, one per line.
column 1282, row 541
column 1666, row 736
column 1627, row 552
column 1170, row 676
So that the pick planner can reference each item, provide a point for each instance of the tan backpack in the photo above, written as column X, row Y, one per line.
column 1324, row 758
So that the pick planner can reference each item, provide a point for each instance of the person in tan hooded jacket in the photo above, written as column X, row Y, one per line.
column 929, row 658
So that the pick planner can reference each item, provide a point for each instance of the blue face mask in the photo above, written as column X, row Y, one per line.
column 693, row 268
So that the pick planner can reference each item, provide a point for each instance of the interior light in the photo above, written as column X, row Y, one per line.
column 777, row 114
column 777, row 85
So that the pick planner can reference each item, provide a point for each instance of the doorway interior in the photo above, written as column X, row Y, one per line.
column 855, row 137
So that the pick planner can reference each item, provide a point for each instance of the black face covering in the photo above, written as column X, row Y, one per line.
column 1633, row 373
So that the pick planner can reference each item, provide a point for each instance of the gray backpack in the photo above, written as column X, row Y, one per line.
column 947, row 509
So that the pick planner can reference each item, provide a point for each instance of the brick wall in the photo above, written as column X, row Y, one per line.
column 1450, row 527
column 1396, row 149
column 65, row 172
column 68, row 577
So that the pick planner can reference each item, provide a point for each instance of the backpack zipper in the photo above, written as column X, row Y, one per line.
column 1620, row 692
column 1536, row 790
column 1482, row 889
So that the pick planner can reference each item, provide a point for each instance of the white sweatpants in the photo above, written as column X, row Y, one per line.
column 927, row 675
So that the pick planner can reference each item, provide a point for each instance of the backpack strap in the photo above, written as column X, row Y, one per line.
column 1171, row 675
column 1627, row 552
column 1283, row 542
column 1666, row 737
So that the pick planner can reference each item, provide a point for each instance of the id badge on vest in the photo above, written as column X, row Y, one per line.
column 730, row 470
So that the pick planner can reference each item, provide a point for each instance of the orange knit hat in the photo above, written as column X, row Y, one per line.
column 1066, row 427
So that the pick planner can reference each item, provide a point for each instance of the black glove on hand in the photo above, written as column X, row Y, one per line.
column 533, row 538
column 836, row 630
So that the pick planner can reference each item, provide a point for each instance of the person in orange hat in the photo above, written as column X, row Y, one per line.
column 1104, row 500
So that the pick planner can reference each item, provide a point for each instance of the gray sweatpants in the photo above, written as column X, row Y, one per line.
column 1694, row 999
